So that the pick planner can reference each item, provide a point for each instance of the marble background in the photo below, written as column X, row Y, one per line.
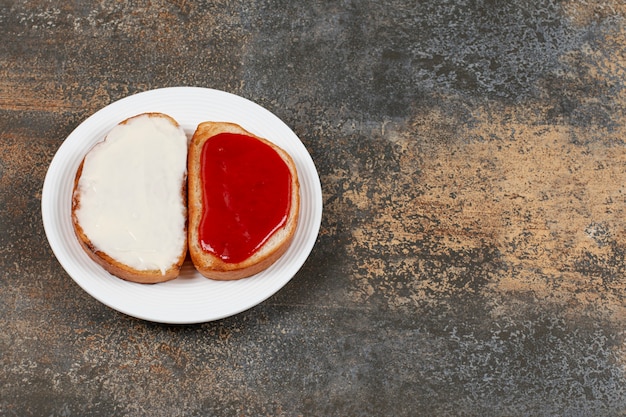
column 471, row 258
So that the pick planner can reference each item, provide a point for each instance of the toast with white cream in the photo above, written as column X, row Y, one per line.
column 129, row 202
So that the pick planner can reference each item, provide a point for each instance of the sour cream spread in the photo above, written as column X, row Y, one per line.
column 131, row 201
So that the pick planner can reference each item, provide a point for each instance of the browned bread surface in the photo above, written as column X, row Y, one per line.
column 212, row 266
column 113, row 266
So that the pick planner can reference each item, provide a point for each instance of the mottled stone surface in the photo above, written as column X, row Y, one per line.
column 472, row 254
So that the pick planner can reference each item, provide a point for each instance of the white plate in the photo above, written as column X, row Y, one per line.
column 190, row 298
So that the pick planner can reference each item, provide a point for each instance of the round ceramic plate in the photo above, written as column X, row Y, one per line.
column 190, row 298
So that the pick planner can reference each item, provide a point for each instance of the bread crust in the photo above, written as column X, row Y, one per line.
column 103, row 259
column 208, row 264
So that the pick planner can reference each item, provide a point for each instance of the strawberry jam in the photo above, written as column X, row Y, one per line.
column 246, row 195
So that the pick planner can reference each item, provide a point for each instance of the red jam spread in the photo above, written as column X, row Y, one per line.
column 246, row 195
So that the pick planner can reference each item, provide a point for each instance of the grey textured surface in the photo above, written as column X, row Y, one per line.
column 471, row 259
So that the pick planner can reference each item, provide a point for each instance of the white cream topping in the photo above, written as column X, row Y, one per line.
column 131, row 203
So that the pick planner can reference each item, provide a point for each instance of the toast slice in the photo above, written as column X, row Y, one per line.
column 129, row 202
column 243, row 201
